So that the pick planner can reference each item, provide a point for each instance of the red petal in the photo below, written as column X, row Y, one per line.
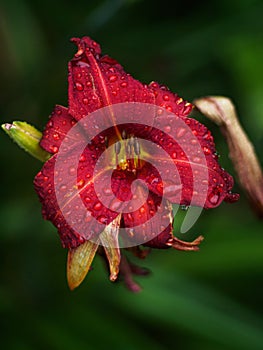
column 149, row 221
column 56, row 129
column 44, row 186
column 96, row 81
column 185, row 167
column 169, row 100
column 161, row 240
column 196, row 141
column 79, row 202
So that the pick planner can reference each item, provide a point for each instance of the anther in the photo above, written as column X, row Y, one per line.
column 124, row 134
column 117, row 147
column 106, row 141
column 136, row 146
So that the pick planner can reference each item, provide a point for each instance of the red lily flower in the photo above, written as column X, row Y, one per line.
column 83, row 200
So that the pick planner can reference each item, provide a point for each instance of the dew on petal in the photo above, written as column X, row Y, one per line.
column 63, row 188
column 107, row 191
column 54, row 149
column 97, row 206
column 82, row 158
column 213, row 198
column 102, row 219
column 180, row 132
column 81, row 183
column 79, row 86
column 87, row 199
column 167, row 128
column 142, row 210
column 196, row 159
column 72, row 171
column 56, row 136
column 113, row 78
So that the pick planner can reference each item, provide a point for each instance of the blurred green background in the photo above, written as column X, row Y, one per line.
column 208, row 300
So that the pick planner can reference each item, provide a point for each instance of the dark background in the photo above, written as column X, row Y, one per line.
column 208, row 300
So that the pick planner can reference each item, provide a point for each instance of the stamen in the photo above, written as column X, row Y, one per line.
column 124, row 134
column 117, row 147
column 106, row 141
column 137, row 149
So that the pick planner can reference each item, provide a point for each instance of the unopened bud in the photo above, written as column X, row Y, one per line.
column 241, row 151
column 27, row 137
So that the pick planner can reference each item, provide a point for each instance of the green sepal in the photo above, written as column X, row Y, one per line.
column 28, row 138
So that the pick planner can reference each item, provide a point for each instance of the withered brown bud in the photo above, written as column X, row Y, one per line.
column 241, row 151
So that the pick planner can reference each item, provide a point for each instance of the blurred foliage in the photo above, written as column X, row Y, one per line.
column 208, row 300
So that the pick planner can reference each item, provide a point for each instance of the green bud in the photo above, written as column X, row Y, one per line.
column 28, row 138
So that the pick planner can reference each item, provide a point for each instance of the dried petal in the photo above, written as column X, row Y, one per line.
column 109, row 239
column 79, row 262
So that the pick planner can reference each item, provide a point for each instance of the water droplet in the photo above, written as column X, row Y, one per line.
column 174, row 155
column 81, row 183
column 131, row 232
column 45, row 178
column 87, row 199
column 54, row 149
column 194, row 141
column 82, row 158
column 88, row 217
column 167, row 128
column 85, row 101
column 63, row 188
column 124, row 84
column 79, row 86
column 56, row 136
column 142, row 210
column 213, row 198
column 113, row 78
column 72, row 171
column 184, row 207
column 196, row 159
column 180, row 132
column 129, row 216
column 206, row 150
column 102, row 219
column 97, row 206
column 79, row 75
column 107, row 191
column 150, row 201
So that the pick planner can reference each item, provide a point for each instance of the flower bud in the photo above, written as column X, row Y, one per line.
column 27, row 137
column 241, row 151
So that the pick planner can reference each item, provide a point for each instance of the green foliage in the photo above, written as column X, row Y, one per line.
column 208, row 300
